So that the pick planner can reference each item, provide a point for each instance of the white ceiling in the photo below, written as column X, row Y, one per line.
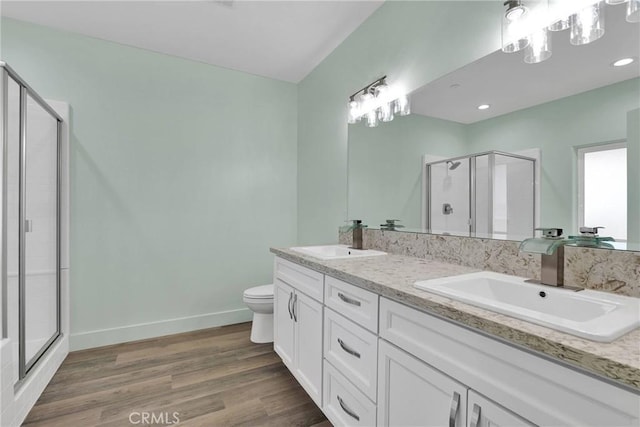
column 283, row 40
column 508, row 84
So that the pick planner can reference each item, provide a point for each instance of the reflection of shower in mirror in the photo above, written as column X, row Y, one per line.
column 453, row 165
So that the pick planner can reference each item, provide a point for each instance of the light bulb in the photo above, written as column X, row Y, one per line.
column 633, row 11
column 386, row 109
column 402, row 106
column 539, row 47
column 587, row 25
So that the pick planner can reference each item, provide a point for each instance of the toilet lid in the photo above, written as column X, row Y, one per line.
column 264, row 291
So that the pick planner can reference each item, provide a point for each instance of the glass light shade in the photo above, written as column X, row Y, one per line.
column 402, row 106
column 513, row 37
column 386, row 107
column 372, row 118
column 539, row 47
column 633, row 11
column 587, row 25
column 616, row 1
column 354, row 112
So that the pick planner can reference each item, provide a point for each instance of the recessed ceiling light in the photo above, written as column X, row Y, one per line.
column 622, row 62
column 483, row 106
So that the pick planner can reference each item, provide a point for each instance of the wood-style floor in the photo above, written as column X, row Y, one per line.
column 212, row 377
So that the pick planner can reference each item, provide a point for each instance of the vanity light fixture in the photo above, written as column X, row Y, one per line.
column 622, row 62
column 527, row 26
column 376, row 103
column 483, row 107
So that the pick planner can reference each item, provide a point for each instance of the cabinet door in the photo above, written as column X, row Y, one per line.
column 412, row 393
column 283, row 325
column 307, row 315
column 486, row 413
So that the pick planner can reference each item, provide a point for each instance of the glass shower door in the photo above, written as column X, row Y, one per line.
column 39, row 288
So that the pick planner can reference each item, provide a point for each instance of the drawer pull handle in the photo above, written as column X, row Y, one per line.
column 475, row 418
column 295, row 303
column 348, row 411
column 289, row 305
column 453, row 411
column 348, row 349
column 348, row 300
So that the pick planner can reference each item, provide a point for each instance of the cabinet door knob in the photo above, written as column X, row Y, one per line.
column 475, row 418
column 348, row 349
column 347, row 410
column 289, row 305
column 453, row 411
column 348, row 300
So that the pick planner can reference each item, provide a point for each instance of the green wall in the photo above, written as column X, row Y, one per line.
column 413, row 43
column 557, row 128
column 182, row 177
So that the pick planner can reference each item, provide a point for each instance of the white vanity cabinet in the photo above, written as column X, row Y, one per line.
column 526, row 387
column 297, row 329
column 412, row 393
column 367, row 360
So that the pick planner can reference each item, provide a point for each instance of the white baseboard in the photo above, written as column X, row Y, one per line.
column 140, row 331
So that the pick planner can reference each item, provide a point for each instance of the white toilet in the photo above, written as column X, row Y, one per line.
column 260, row 301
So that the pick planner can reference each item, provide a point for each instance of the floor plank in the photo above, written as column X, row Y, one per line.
column 212, row 377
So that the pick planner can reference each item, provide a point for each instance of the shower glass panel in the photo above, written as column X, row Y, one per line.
column 490, row 193
column 513, row 196
column 40, row 226
column 449, row 204
column 30, row 255
column 12, row 213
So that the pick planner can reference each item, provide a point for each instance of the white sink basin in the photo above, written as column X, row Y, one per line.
column 593, row 315
column 336, row 252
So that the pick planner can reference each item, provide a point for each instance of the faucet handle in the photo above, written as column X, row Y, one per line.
column 356, row 223
column 590, row 231
column 550, row 232
column 390, row 224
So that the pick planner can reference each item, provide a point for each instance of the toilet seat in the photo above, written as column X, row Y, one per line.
column 259, row 292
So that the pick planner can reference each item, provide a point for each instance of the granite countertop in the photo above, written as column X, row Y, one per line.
column 392, row 276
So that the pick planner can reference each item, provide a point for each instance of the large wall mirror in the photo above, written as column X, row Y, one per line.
column 558, row 146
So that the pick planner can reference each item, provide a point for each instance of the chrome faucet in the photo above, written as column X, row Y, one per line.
column 551, row 247
column 356, row 228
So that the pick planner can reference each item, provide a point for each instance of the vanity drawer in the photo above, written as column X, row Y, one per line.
column 352, row 350
column 357, row 304
column 344, row 404
column 303, row 279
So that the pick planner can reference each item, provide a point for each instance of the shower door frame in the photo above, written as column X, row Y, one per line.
column 471, row 158
column 25, row 366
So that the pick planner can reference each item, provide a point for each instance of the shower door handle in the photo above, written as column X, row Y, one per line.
column 28, row 226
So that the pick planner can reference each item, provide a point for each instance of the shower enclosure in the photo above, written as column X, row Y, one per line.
column 31, row 274
column 490, row 193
